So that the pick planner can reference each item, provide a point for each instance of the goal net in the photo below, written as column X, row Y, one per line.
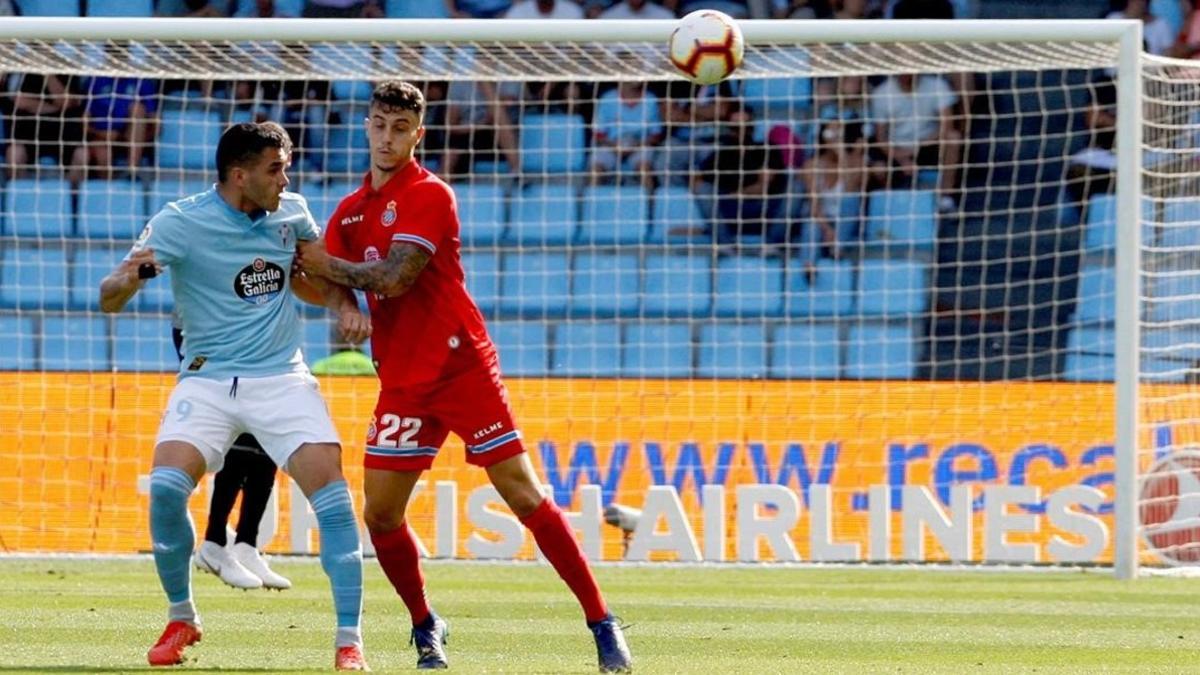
column 856, row 303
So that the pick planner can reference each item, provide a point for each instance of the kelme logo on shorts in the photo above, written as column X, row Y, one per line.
column 259, row 282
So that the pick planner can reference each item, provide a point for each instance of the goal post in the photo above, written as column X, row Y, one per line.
column 774, row 319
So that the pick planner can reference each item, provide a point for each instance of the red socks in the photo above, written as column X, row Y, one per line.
column 401, row 562
column 557, row 541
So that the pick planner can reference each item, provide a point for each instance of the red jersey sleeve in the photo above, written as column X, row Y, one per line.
column 430, row 218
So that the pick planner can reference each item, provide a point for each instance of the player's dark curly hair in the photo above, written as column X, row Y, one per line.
column 242, row 143
column 399, row 95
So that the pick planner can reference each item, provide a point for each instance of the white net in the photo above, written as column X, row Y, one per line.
column 864, row 289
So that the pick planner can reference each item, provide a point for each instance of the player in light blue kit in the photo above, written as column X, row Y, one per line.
column 229, row 251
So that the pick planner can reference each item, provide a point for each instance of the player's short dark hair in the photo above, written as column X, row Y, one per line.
column 242, row 143
column 399, row 95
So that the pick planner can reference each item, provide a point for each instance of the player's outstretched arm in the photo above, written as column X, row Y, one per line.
column 127, row 279
column 355, row 327
column 392, row 276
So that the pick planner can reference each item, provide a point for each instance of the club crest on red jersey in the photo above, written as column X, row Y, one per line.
column 388, row 217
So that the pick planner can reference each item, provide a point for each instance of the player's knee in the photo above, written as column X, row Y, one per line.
column 380, row 520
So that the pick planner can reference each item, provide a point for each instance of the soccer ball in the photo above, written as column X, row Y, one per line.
column 707, row 46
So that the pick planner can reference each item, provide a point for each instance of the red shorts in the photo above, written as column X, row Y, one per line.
column 410, row 424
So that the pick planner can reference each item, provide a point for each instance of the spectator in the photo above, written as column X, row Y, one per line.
column 121, row 119
column 843, row 98
column 478, row 9
column 1091, row 169
column 342, row 9
column 477, row 123
column 738, row 9
column 47, row 121
column 835, row 179
column 914, row 128
column 264, row 9
column 803, row 9
column 749, row 184
column 691, row 114
column 199, row 9
column 1188, row 46
column 628, row 126
column 921, row 9
column 1155, row 32
column 544, row 9
column 850, row 9
column 637, row 9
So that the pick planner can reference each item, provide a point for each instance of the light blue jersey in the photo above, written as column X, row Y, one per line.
column 230, row 276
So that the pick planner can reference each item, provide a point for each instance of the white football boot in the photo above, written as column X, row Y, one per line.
column 218, row 560
column 248, row 556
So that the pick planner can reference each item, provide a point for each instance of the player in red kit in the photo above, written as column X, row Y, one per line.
column 397, row 238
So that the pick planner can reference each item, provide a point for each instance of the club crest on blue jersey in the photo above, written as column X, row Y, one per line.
column 259, row 282
column 285, row 233
column 388, row 217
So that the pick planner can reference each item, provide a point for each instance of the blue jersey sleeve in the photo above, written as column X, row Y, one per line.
column 308, row 230
column 165, row 234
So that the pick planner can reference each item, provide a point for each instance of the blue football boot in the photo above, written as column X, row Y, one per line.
column 610, row 646
column 431, row 653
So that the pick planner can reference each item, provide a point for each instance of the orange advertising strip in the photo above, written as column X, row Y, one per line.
column 893, row 455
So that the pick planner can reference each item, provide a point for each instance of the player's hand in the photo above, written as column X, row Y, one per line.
column 129, row 268
column 313, row 258
column 355, row 327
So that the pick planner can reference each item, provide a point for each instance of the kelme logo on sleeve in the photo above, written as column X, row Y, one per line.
column 259, row 282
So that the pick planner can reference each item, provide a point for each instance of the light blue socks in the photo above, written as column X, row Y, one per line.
column 173, row 536
column 341, row 557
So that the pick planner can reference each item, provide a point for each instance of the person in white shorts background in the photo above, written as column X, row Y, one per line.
column 229, row 251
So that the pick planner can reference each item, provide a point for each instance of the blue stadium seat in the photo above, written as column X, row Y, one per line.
column 114, row 210
column 614, row 215
column 782, row 97
column 415, row 9
column 677, row 285
column 17, row 335
column 317, row 334
column 552, row 143
column 604, row 285
column 75, row 342
column 1089, row 368
column 166, row 190
column 346, row 151
column 535, row 284
column 732, row 350
column 481, row 213
column 1181, row 226
column 324, row 199
column 1174, row 343
column 591, row 349
column 1100, row 233
column 522, row 347
column 89, row 267
column 806, row 351
column 483, row 279
column 188, row 139
column 657, row 350
column 831, row 292
column 902, row 220
column 33, row 278
column 38, row 208
column 749, row 287
column 1098, row 294
column 48, row 7
column 892, row 287
column 156, row 296
column 143, row 344
column 544, row 215
column 674, row 208
column 120, row 8
column 880, row 352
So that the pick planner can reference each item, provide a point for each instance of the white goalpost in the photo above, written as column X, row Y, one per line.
column 895, row 291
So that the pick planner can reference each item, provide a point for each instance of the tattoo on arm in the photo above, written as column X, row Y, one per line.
column 391, row 276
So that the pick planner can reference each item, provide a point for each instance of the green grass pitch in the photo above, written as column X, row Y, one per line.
column 73, row 615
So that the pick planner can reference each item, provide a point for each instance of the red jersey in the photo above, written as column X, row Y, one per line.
column 434, row 330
